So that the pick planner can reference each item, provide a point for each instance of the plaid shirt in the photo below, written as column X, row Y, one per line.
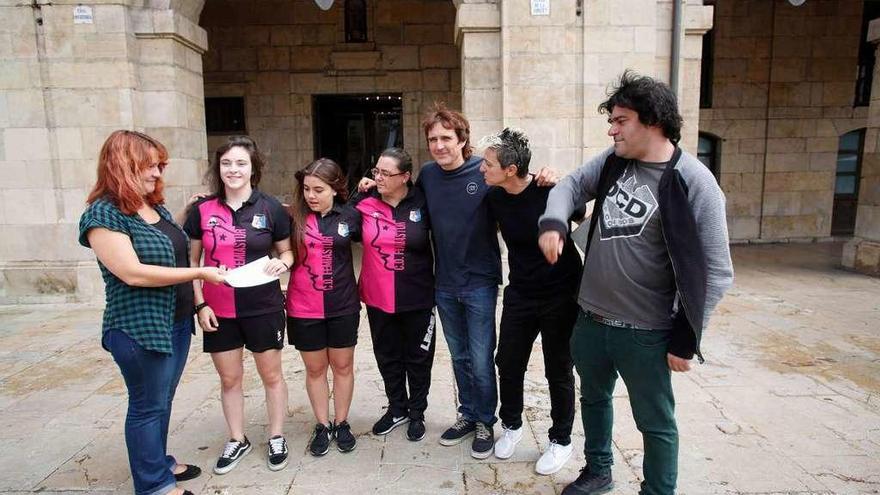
column 144, row 313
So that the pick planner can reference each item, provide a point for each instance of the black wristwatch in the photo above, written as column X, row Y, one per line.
column 200, row 306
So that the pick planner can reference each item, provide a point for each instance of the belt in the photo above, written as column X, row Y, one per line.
column 611, row 322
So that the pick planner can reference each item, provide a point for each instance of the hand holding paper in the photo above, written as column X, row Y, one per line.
column 251, row 274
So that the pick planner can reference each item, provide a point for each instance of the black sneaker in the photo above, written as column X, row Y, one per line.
column 345, row 441
column 458, row 432
column 387, row 423
column 320, row 442
column 277, row 453
column 590, row 482
column 484, row 442
column 232, row 453
column 416, row 430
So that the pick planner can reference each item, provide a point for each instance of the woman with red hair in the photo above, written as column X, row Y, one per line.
column 144, row 261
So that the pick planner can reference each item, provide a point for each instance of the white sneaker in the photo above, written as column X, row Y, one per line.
column 554, row 458
column 507, row 441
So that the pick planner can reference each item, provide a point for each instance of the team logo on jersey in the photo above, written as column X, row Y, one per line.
column 415, row 215
column 259, row 221
column 342, row 229
column 471, row 188
column 213, row 221
column 627, row 209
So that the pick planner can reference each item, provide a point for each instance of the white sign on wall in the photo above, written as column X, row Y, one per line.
column 82, row 14
column 540, row 7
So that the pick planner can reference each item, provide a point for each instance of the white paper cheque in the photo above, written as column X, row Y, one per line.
column 251, row 274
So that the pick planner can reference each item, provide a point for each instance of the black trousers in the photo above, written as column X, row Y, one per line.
column 522, row 319
column 404, row 347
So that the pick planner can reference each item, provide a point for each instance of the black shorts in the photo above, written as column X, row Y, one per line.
column 315, row 334
column 256, row 333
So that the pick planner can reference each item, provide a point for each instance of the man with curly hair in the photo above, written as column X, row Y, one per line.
column 657, row 263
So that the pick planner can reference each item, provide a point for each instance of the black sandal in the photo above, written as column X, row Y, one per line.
column 191, row 472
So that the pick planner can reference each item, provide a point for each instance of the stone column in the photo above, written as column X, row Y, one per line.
column 862, row 253
column 64, row 86
column 478, row 36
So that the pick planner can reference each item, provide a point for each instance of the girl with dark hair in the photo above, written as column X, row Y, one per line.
column 142, row 254
column 233, row 226
column 323, row 310
column 397, row 286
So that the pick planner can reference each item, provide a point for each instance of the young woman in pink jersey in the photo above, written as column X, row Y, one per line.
column 323, row 310
column 236, row 225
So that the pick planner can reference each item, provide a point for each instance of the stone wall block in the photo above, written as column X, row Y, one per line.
column 438, row 56
column 268, row 83
column 310, row 58
column 26, row 143
column 273, row 58
column 481, row 45
column 22, row 108
column 482, row 73
column 355, row 60
column 786, row 145
column 285, row 36
column 787, row 162
column 427, row 34
column 234, row 59
column 610, row 40
column 400, row 57
column 399, row 81
column 355, row 84
column 312, row 82
column 29, row 206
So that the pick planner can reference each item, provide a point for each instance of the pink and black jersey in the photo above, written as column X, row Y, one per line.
column 234, row 238
column 398, row 265
column 322, row 283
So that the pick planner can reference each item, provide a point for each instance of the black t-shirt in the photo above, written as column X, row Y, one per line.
column 530, row 273
column 184, row 305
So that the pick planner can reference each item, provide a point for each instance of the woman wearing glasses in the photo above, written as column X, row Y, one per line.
column 397, row 286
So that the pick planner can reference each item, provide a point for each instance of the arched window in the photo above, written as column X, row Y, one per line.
column 355, row 21
column 709, row 152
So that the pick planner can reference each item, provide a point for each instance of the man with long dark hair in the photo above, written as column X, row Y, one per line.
column 657, row 262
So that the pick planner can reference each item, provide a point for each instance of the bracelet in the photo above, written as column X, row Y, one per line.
column 201, row 306
column 285, row 265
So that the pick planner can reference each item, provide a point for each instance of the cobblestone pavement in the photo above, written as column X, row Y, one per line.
column 787, row 402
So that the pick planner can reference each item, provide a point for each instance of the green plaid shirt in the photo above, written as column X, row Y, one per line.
column 144, row 313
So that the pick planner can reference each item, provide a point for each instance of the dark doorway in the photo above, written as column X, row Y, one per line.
column 846, row 183
column 354, row 129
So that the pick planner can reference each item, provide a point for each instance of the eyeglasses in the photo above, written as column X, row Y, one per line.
column 384, row 173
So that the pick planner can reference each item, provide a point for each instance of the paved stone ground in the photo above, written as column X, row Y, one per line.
column 787, row 402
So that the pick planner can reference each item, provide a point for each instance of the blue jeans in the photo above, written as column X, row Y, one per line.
column 468, row 318
column 181, row 335
column 151, row 378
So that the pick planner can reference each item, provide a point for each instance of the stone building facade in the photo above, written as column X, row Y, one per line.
column 71, row 72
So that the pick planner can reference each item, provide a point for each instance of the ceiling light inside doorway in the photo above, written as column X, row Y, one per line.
column 324, row 4
column 797, row 3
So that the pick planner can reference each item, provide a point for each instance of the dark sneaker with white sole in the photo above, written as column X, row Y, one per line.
column 416, row 430
column 457, row 433
column 277, row 453
column 484, row 442
column 345, row 441
column 320, row 442
column 590, row 482
column 232, row 454
column 387, row 423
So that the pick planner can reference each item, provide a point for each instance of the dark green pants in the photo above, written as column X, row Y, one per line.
column 600, row 352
